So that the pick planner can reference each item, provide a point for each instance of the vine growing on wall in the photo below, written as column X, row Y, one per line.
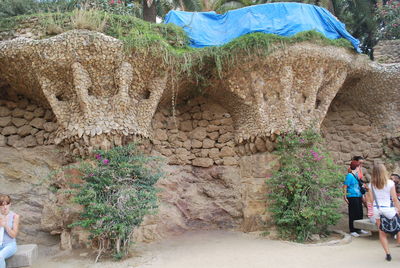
column 304, row 194
column 118, row 191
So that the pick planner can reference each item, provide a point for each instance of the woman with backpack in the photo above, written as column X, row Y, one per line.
column 382, row 192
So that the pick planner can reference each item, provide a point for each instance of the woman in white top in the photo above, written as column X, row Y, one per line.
column 384, row 190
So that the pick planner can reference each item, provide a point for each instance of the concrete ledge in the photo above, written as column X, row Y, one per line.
column 346, row 239
column 365, row 224
column 25, row 256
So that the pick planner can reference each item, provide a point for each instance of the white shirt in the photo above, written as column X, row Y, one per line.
column 383, row 195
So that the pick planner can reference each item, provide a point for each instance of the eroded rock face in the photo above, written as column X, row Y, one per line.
column 191, row 198
column 24, row 175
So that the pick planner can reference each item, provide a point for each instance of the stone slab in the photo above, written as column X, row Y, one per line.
column 25, row 256
column 365, row 224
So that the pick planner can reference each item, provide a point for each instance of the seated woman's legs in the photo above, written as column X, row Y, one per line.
column 6, row 251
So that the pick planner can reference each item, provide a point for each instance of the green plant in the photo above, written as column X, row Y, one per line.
column 10, row 8
column 88, row 19
column 118, row 191
column 304, row 194
column 389, row 14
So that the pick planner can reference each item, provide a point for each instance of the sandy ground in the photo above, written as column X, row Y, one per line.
column 225, row 249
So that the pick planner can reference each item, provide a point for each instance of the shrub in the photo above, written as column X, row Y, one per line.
column 118, row 191
column 10, row 8
column 304, row 194
column 390, row 16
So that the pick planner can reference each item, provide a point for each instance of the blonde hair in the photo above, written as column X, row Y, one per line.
column 5, row 199
column 379, row 176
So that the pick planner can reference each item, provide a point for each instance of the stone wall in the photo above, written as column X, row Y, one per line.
column 100, row 94
column 218, row 147
column 392, row 153
column 24, row 124
column 387, row 51
column 349, row 132
column 24, row 175
column 201, row 134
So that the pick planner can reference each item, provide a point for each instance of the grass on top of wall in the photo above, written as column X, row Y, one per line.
column 167, row 41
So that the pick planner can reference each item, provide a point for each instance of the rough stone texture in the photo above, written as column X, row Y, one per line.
column 3, row 141
column 21, row 123
column 218, row 145
column 387, row 51
column 195, row 138
column 25, row 256
column 38, row 123
column 365, row 224
column 24, row 175
column 297, row 85
column 94, row 106
column 97, row 108
column 10, row 130
column 351, row 129
column 5, row 121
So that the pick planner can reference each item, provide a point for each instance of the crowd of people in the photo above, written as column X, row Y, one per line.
column 380, row 197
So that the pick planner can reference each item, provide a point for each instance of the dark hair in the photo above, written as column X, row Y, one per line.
column 5, row 199
column 357, row 158
column 395, row 175
column 354, row 164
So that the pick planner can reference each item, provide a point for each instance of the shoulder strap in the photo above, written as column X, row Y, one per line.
column 376, row 200
column 354, row 176
column 357, row 179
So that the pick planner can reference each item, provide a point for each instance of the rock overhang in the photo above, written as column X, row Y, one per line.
column 99, row 93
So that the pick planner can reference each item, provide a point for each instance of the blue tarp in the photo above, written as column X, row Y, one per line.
column 286, row 19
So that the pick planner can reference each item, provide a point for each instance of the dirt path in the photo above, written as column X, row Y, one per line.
column 222, row 249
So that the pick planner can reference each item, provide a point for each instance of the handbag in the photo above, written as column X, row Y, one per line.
column 390, row 226
column 360, row 184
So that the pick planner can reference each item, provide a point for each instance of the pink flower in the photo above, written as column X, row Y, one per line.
column 98, row 156
column 111, row 2
column 91, row 175
column 106, row 161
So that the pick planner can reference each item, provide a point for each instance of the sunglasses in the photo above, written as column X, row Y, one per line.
column 4, row 204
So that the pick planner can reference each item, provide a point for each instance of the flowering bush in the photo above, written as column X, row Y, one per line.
column 118, row 192
column 390, row 16
column 304, row 194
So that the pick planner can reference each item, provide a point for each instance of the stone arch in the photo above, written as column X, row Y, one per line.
column 361, row 118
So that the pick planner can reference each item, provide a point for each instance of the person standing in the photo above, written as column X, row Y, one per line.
column 9, row 224
column 384, row 190
column 353, row 198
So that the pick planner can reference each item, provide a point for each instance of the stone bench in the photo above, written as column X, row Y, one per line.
column 365, row 224
column 25, row 256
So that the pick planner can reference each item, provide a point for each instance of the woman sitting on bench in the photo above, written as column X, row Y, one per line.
column 9, row 222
